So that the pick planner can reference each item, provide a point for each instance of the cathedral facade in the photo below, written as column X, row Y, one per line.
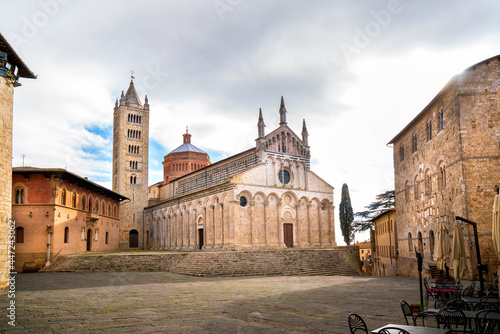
column 263, row 198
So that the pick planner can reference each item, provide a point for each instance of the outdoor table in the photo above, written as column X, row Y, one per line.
column 472, row 300
column 470, row 315
column 415, row 329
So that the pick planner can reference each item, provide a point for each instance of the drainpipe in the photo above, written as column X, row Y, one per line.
column 49, row 232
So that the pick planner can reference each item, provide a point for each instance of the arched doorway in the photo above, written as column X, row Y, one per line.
column 200, row 238
column 431, row 244
column 288, row 235
column 89, row 240
column 133, row 239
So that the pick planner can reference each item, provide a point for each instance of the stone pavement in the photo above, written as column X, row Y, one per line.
column 162, row 302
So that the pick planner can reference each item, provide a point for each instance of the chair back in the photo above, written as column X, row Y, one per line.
column 393, row 330
column 356, row 324
column 488, row 321
column 455, row 318
column 486, row 305
column 405, row 307
column 459, row 304
column 430, row 319
column 468, row 292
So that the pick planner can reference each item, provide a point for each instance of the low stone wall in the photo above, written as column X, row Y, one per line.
column 241, row 263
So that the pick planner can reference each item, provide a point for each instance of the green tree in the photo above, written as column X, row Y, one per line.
column 382, row 202
column 346, row 215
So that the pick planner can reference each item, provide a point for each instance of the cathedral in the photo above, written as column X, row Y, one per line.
column 263, row 198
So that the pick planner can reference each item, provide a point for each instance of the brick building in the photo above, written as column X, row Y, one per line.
column 130, row 164
column 385, row 242
column 11, row 69
column 264, row 197
column 79, row 215
column 446, row 164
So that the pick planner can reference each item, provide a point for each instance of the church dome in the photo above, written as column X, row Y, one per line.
column 183, row 160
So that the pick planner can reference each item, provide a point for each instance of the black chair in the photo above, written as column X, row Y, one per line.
column 468, row 292
column 490, row 298
column 393, row 330
column 456, row 320
column 357, row 324
column 430, row 319
column 459, row 304
column 486, row 305
column 484, row 324
column 429, row 292
column 405, row 307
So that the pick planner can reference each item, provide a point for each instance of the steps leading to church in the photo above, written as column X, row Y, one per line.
column 328, row 262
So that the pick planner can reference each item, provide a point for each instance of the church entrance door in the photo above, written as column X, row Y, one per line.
column 89, row 240
column 200, row 238
column 133, row 239
column 288, row 235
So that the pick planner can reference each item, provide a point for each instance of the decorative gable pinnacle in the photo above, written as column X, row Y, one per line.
column 282, row 112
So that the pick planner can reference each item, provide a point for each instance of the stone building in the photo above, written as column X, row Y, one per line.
column 11, row 69
column 263, row 198
column 446, row 164
column 385, row 242
column 130, row 164
column 56, row 207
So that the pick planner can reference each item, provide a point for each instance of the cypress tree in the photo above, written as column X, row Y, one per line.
column 346, row 215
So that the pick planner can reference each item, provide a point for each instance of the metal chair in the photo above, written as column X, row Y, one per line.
column 405, row 307
column 357, row 324
column 459, row 304
column 468, row 292
column 429, row 292
column 484, row 324
column 393, row 330
column 456, row 320
column 486, row 305
column 430, row 319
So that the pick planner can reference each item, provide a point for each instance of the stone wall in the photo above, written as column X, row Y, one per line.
column 6, row 109
column 245, row 263
column 455, row 172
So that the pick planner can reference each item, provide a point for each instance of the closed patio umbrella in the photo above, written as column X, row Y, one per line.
column 495, row 232
column 458, row 252
column 442, row 248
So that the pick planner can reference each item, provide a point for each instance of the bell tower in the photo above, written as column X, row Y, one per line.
column 130, row 164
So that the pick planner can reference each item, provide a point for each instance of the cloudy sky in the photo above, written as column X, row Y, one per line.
column 357, row 70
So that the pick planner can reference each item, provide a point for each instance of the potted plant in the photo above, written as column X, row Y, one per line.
column 415, row 308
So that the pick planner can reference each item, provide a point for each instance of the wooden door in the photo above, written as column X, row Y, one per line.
column 200, row 237
column 133, row 239
column 288, row 235
column 89, row 240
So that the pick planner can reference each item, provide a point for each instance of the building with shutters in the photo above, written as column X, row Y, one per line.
column 263, row 198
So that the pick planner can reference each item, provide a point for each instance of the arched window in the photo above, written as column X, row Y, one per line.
column 428, row 130
column 401, row 153
column 440, row 121
column 63, row 197
column 20, row 196
column 96, row 206
column 109, row 209
column 83, row 202
column 417, row 187
column 431, row 244
column 20, row 235
column 414, row 143
column 410, row 243
column 442, row 175
column 66, row 235
column 73, row 200
column 115, row 212
column 90, row 204
column 103, row 211
column 428, row 182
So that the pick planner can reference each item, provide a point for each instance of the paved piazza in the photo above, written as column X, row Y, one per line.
column 161, row 302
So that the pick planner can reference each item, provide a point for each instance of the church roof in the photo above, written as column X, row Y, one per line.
column 188, row 148
column 131, row 97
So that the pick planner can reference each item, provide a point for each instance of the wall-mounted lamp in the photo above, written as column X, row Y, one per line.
column 31, row 214
column 46, row 214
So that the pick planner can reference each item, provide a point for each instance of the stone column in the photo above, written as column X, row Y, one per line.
column 252, row 216
column 279, row 224
column 309, row 232
column 320, row 226
column 266, row 239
